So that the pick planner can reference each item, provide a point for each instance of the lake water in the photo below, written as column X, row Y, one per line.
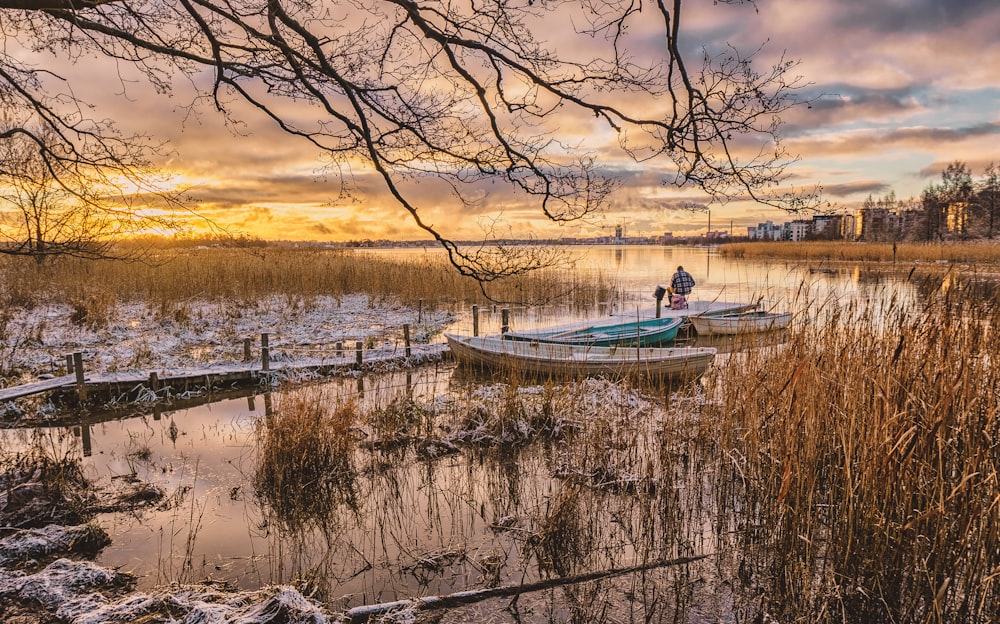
column 637, row 270
column 411, row 525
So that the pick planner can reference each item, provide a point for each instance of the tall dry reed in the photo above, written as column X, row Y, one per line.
column 859, row 464
column 982, row 252
column 171, row 277
column 304, row 464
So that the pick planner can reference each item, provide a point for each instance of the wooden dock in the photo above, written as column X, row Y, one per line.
column 132, row 384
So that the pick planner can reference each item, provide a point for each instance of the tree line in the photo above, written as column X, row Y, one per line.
column 960, row 206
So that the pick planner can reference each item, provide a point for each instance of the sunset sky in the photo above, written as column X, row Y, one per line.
column 899, row 89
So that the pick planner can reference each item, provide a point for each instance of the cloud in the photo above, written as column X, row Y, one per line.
column 976, row 166
column 866, row 141
column 911, row 16
column 859, row 187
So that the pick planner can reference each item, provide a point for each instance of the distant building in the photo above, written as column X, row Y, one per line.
column 871, row 223
column 796, row 231
column 764, row 231
column 848, row 227
column 827, row 226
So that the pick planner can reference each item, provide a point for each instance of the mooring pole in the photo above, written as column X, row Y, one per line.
column 475, row 320
column 505, row 320
column 246, row 349
column 265, row 353
column 658, row 295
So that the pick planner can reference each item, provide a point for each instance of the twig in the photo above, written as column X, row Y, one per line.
column 365, row 612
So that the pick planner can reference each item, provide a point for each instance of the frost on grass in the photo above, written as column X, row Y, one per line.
column 508, row 414
column 79, row 592
column 207, row 333
column 27, row 546
column 197, row 605
column 63, row 582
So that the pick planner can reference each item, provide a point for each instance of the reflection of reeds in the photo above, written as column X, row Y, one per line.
column 861, row 464
column 39, row 488
column 304, row 470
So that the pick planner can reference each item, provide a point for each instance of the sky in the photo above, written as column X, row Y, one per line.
column 896, row 90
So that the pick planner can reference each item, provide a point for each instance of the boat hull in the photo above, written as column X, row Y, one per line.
column 644, row 333
column 542, row 359
column 744, row 323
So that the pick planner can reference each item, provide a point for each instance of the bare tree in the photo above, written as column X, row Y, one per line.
column 51, row 206
column 988, row 197
column 461, row 92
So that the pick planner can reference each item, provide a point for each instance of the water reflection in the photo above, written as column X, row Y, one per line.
column 253, row 499
column 636, row 271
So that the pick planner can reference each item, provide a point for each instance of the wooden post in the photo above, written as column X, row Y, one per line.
column 406, row 338
column 154, row 382
column 265, row 353
column 246, row 349
column 475, row 320
column 505, row 320
column 420, row 311
column 81, row 388
column 340, row 349
column 69, row 363
column 357, row 349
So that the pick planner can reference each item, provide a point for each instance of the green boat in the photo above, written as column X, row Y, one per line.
column 608, row 333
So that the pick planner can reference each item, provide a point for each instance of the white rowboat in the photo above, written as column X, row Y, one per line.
column 566, row 360
column 741, row 323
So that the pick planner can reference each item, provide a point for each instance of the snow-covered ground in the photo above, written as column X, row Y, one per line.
column 142, row 337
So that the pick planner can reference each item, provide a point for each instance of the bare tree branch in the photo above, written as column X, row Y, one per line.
column 467, row 94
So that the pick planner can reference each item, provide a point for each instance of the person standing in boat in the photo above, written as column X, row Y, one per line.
column 681, row 285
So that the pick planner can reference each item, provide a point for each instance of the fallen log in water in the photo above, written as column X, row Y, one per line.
column 365, row 612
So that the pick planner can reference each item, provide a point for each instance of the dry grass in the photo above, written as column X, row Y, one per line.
column 860, row 464
column 304, row 462
column 975, row 253
column 172, row 277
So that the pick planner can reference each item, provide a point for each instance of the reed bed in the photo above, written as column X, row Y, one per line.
column 171, row 277
column 304, row 469
column 983, row 252
column 858, row 464
column 540, row 481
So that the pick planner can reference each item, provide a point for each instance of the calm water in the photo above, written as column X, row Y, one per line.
column 411, row 526
column 636, row 271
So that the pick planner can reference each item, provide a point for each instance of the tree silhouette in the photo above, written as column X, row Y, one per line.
column 52, row 205
column 465, row 93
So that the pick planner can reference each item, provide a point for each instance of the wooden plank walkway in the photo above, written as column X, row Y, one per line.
column 221, row 374
column 37, row 387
